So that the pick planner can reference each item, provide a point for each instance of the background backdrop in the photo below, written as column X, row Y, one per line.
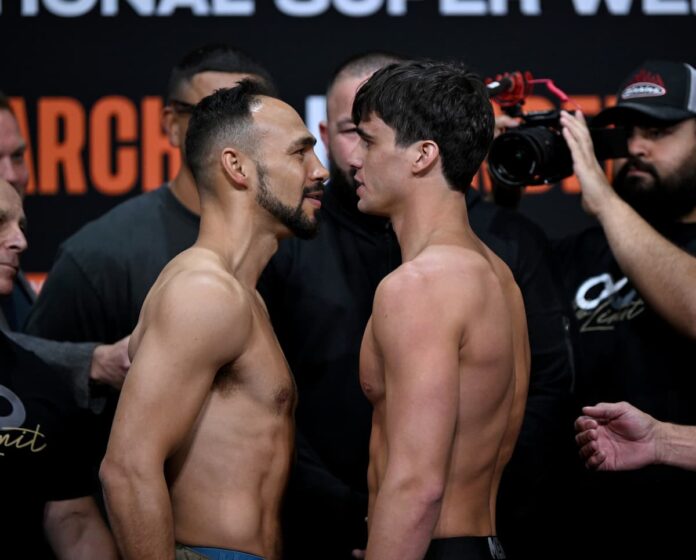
column 87, row 76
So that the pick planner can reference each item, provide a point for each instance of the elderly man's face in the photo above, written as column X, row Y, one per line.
column 13, row 168
column 12, row 239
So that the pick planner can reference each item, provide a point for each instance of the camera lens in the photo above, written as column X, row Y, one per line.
column 515, row 157
column 529, row 156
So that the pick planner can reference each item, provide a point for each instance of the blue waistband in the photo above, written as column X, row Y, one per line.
column 224, row 554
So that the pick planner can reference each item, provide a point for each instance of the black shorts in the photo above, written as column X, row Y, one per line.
column 458, row 548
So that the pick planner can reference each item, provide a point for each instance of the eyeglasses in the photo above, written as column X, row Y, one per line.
column 182, row 107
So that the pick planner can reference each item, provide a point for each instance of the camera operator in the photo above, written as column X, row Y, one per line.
column 631, row 284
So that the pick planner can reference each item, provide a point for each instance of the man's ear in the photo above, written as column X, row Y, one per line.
column 236, row 166
column 170, row 126
column 324, row 134
column 427, row 153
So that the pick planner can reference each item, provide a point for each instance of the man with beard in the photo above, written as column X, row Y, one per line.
column 103, row 272
column 202, row 439
column 328, row 284
column 631, row 284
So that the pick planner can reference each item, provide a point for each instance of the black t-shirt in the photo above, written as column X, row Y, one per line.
column 102, row 274
column 44, row 440
column 626, row 351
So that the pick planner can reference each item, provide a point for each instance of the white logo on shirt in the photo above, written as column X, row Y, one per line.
column 600, row 305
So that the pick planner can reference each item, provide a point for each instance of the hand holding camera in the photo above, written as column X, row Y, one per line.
column 536, row 152
column 596, row 191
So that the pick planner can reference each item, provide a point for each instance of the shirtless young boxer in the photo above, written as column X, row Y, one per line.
column 445, row 356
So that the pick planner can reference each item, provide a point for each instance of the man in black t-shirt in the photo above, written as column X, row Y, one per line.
column 46, row 476
column 45, row 470
column 44, row 465
column 631, row 285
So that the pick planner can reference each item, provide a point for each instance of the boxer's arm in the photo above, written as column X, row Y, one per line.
column 420, row 346
column 196, row 325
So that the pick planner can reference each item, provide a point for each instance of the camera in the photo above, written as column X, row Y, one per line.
column 536, row 153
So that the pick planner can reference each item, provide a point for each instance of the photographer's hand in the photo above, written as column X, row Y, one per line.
column 597, row 194
column 503, row 123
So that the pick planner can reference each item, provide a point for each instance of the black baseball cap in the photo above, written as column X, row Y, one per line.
column 658, row 90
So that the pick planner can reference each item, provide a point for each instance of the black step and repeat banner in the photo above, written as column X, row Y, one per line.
column 87, row 76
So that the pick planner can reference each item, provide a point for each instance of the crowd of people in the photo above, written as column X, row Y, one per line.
column 264, row 358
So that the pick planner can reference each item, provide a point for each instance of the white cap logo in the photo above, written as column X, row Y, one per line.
column 643, row 89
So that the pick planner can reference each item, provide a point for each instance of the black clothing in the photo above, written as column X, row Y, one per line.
column 532, row 488
column 465, row 548
column 626, row 351
column 319, row 295
column 103, row 272
column 15, row 308
column 43, row 442
column 74, row 361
